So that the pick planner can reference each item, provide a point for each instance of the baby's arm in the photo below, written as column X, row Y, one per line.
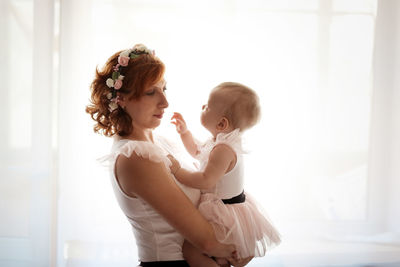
column 186, row 135
column 221, row 158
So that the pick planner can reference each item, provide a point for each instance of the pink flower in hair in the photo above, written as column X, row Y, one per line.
column 116, row 67
column 123, row 61
column 118, row 99
column 117, row 84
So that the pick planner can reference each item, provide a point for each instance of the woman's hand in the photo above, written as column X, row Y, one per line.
column 175, row 166
column 220, row 250
column 239, row 262
column 179, row 122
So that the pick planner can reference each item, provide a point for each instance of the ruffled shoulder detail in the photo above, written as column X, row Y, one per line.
column 143, row 149
column 232, row 139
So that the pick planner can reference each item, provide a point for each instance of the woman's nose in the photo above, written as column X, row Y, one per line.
column 163, row 101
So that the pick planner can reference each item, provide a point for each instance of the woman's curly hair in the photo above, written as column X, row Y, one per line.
column 140, row 73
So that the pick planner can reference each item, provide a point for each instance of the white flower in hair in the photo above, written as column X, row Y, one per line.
column 109, row 95
column 149, row 51
column 121, row 77
column 113, row 106
column 140, row 47
column 126, row 53
column 110, row 82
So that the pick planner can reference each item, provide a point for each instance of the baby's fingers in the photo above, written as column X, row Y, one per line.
column 177, row 115
column 175, row 165
column 179, row 121
column 172, row 159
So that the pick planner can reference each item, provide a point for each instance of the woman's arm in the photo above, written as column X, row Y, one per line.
column 153, row 183
column 221, row 160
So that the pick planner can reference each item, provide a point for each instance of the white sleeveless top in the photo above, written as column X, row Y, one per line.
column 232, row 183
column 155, row 238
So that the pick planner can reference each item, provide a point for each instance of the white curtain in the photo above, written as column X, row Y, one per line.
column 323, row 161
column 27, row 168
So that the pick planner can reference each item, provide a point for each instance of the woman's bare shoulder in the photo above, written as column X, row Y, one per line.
column 134, row 172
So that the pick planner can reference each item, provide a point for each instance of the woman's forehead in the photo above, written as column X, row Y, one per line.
column 161, row 83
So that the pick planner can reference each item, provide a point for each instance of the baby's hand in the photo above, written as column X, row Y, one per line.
column 175, row 166
column 179, row 122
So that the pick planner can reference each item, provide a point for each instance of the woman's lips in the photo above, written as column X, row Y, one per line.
column 159, row 116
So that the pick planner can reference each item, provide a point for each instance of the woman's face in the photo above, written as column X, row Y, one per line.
column 147, row 111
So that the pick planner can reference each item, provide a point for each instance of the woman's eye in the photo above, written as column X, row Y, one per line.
column 150, row 92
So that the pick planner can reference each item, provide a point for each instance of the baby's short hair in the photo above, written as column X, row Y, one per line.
column 240, row 104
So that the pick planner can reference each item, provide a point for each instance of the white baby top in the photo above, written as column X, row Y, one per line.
column 231, row 184
column 156, row 239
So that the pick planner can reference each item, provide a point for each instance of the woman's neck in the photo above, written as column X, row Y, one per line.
column 141, row 135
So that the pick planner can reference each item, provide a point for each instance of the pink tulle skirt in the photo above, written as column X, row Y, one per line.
column 241, row 224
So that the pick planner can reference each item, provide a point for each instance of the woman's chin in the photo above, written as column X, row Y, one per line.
column 156, row 123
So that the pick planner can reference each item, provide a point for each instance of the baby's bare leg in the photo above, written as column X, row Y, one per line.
column 195, row 258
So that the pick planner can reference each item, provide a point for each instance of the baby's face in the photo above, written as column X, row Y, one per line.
column 214, row 111
column 211, row 114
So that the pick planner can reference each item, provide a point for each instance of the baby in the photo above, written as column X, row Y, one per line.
column 232, row 108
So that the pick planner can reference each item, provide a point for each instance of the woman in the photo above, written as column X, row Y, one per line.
column 128, row 101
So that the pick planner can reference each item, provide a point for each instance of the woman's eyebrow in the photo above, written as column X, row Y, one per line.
column 157, row 87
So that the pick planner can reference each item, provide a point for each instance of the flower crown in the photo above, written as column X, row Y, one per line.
column 115, row 82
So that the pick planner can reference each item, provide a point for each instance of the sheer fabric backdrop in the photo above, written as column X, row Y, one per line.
column 322, row 160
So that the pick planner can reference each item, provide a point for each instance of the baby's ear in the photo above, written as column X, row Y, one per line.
column 223, row 124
